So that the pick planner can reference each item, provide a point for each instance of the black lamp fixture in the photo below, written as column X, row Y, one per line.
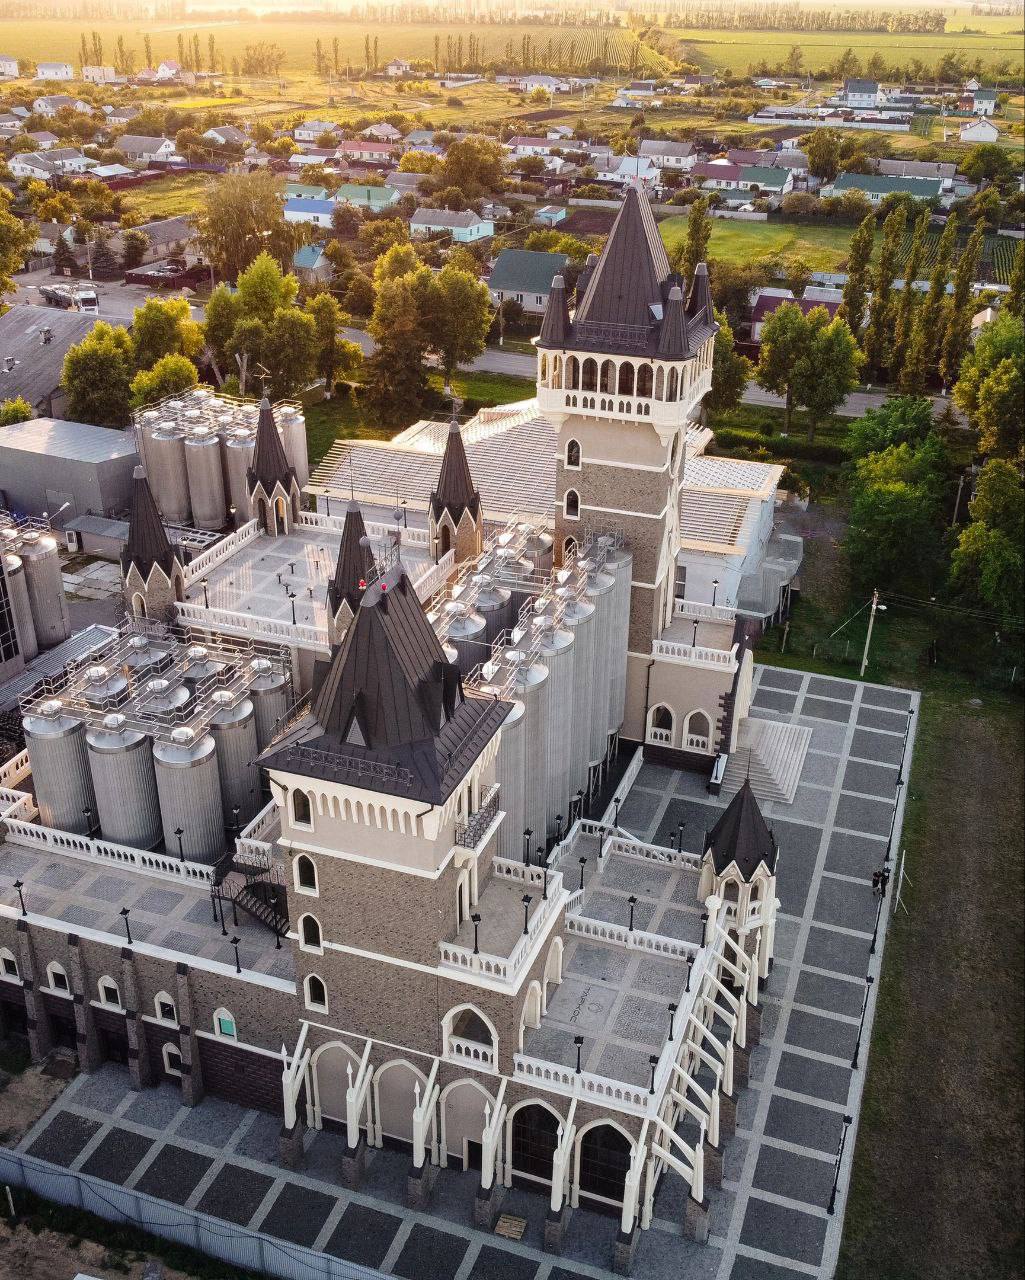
column 694, row 642
column 672, row 1020
column 583, row 863
column 291, row 601
column 179, row 832
column 715, row 590
column 544, row 876
column 235, row 811
column 527, row 900
column 204, row 583
column 526, row 846
column 558, row 828
column 579, row 1042
column 653, row 1063
column 88, row 811
column 690, row 966
column 632, row 900
column 20, row 886
column 234, row 943
column 124, row 914
column 615, row 817
column 475, row 921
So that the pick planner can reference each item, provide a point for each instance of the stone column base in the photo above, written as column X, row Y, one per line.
column 696, row 1219
column 741, row 1067
column 290, row 1146
column 354, row 1165
column 623, row 1254
column 555, row 1228
column 419, row 1184
column 713, row 1164
column 486, row 1205
column 754, row 1025
column 727, row 1116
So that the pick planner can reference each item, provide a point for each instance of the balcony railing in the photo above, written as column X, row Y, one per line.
column 468, row 834
column 660, row 737
column 482, row 1055
column 506, row 969
column 695, row 655
column 700, row 612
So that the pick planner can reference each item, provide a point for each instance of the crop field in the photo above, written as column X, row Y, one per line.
column 997, row 256
column 167, row 197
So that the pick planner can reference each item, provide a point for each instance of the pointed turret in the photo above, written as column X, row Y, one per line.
column 555, row 326
column 152, row 569
column 269, row 466
column 673, row 338
column 699, row 304
column 355, row 564
column 455, row 517
column 741, row 836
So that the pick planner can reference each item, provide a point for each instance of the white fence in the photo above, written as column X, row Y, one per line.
column 236, row 1246
column 201, row 564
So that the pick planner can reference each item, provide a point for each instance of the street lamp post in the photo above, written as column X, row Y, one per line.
column 579, row 1042
column 124, row 914
column 861, row 1026
column 715, row 590
column 88, row 811
column 672, row 1020
column 847, row 1122
column 527, row 900
column 653, row 1063
column 615, row 817
column 234, row 943
column 20, row 886
column 690, row 966
column 475, row 921
column 583, row 863
column 876, row 608
column 632, row 901
column 526, row 846
column 179, row 832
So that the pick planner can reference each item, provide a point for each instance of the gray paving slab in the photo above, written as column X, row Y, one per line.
column 836, row 952
column 823, row 1035
column 155, row 1107
column 235, row 1194
column 810, row 804
column 819, row 769
column 430, row 1252
column 100, row 1090
column 778, row 1229
column 785, row 1173
column 364, row 1235
column 880, row 696
column 745, row 1268
column 64, row 1138
column 117, row 1156
column 825, row 1080
column 590, row 961
column 297, row 1214
column 835, row 995
column 824, row 687
column 825, row 709
column 853, row 855
column 213, row 1125
column 855, row 813
column 804, row 1125
column 871, row 779
column 773, row 700
column 851, row 906
column 873, row 718
column 500, row 1264
column 174, row 1174
column 657, row 978
column 884, row 748
column 777, row 678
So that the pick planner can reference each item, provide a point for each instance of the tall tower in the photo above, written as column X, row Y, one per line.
column 152, row 570
column 273, row 486
column 455, row 517
column 622, row 377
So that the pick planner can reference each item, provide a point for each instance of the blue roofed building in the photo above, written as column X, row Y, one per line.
column 316, row 212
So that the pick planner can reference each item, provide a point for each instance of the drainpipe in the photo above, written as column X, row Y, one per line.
column 647, row 699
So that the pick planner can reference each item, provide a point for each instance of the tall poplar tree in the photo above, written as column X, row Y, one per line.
column 926, row 336
column 855, row 291
column 959, row 322
column 878, row 335
column 906, row 307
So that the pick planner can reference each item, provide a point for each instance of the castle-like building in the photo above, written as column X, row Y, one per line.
column 365, row 759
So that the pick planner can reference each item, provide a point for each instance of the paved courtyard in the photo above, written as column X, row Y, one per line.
column 769, row 1220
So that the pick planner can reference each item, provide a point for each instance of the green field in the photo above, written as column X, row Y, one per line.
column 167, row 197
column 823, row 248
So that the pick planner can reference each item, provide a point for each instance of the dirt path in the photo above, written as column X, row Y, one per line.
column 22, row 1101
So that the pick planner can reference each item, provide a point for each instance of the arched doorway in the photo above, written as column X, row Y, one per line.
column 603, row 1159
column 533, row 1136
column 281, row 515
column 462, row 1122
column 444, row 540
column 394, row 1100
column 330, row 1083
column 660, row 726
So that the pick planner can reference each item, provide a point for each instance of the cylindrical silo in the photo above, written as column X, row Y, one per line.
column 494, row 604
column 206, row 483
column 465, row 630
column 121, row 765
column 146, row 423
column 515, row 574
column 105, row 689
column 619, row 563
column 511, row 776
column 21, row 605
column 233, row 727
column 45, row 588
column 530, row 686
column 200, row 668
column 600, row 591
column 164, row 702
column 189, row 787
column 268, row 690
column 238, row 457
column 538, row 548
column 557, row 651
column 61, row 780
column 293, row 437
column 578, row 617
column 145, row 659
column 167, row 474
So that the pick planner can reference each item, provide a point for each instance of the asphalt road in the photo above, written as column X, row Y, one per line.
column 118, row 302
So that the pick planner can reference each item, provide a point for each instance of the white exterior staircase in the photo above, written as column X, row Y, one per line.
column 771, row 754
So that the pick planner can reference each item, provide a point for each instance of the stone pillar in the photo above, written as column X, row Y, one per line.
column 555, row 1228
column 696, row 1219
column 139, row 1063
column 188, row 1044
column 354, row 1164
column 89, row 1054
column 625, row 1248
column 290, row 1145
column 420, row 1183
column 741, row 1067
column 713, row 1164
column 40, row 1041
column 727, row 1116
column 754, row 1025
column 486, row 1205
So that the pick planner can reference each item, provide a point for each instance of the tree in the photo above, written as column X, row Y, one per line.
column 16, row 409
column 16, row 239
column 823, row 151
column 958, row 333
column 986, row 568
column 880, row 313
column 475, row 165
column 397, row 260
column 852, row 309
column 1014, row 303
column 170, row 375
column 395, row 378
column 102, row 260
column 901, row 420
column 336, row 357
column 96, row 377
column 695, row 247
column 381, row 234
column 459, row 317
column 730, row 370
column 732, row 285
column 904, row 320
column 263, row 288
column 241, row 217
column 827, row 371
column 134, row 244
column 222, row 314
column 419, row 162
column 359, row 295
column 247, row 348
column 989, row 387
column 64, row 260
column 987, row 162
column 290, row 355
column 784, row 338
column 921, row 358
column 999, row 499
column 161, row 328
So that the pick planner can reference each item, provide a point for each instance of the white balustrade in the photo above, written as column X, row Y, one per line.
column 16, row 804
column 695, row 655
column 696, row 609
column 248, row 624
column 34, row 836
column 199, row 565
column 434, row 576
column 560, row 1079
column 15, row 770
column 636, row 939
column 506, row 969
column 471, row 1051
column 660, row 737
column 696, row 742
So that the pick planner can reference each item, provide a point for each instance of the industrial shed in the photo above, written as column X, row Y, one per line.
column 47, row 462
column 33, row 343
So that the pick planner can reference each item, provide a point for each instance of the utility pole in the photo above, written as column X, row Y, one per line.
column 871, row 623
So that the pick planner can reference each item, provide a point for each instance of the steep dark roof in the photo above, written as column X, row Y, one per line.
column 699, row 303
column 148, row 543
column 622, row 296
column 269, row 462
column 390, row 714
column 456, row 492
column 741, row 836
column 355, row 563
column 673, row 339
column 555, row 325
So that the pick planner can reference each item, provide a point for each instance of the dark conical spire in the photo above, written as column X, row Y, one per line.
column 355, row 565
column 699, row 304
column 269, row 462
column 555, row 326
column 148, row 543
column 741, row 836
column 627, row 282
column 673, row 339
column 456, row 492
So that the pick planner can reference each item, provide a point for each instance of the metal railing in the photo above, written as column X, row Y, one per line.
column 468, row 834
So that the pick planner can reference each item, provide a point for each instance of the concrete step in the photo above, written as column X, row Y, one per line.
column 770, row 754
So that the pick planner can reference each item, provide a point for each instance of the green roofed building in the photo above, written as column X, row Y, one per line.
column 877, row 186
column 305, row 191
column 525, row 276
column 366, row 197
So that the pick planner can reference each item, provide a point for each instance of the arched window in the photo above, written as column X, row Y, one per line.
column 469, row 1035
column 589, row 375
column 698, row 731
column 165, row 1007
column 569, row 548
column 57, row 977
column 139, row 605
column 557, row 372
column 660, row 726
column 445, row 540
column 316, row 993
column 224, row 1025
column 673, row 380
column 310, row 938
column 544, row 369
column 172, row 1058
column 571, row 504
column 302, row 810
column 8, row 964
column 626, row 379
column 644, row 380
column 660, row 383
column 573, row 454
column 108, row 992
column 305, row 874
column 572, row 373
column 608, row 376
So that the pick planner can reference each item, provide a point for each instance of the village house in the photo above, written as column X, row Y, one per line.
column 525, row 276
column 8, row 67
column 464, row 227
column 55, row 71
column 142, row 149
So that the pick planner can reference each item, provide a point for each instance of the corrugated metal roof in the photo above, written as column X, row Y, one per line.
column 72, row 441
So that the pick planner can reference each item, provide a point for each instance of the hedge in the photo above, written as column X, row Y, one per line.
column 781, row 446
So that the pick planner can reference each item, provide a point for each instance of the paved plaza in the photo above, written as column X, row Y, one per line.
column 769, row 1219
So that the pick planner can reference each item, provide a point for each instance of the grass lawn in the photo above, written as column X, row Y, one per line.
column 937, row 1182
column 823, row 248
column 489, row 388
column 167, row 197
